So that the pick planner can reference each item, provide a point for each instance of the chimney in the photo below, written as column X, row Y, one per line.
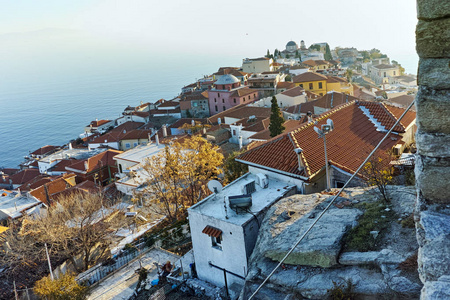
column 299, row 151
column 240, row 142
column 157, row 139
column 86, row 165
column 309, row 115
column 164, row 130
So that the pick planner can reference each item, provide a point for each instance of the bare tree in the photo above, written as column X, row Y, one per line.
column 79, row 224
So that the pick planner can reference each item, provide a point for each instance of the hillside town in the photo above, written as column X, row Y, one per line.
column 173, row 196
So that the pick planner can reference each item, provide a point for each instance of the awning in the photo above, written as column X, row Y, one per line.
column 211, row 231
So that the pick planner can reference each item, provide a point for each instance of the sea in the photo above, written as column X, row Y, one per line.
column 54, row 109
column 49, row 100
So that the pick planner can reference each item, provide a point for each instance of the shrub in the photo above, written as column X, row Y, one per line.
column 341, row 292
column 62, row 288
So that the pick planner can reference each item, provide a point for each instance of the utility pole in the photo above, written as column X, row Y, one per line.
column 49, row 264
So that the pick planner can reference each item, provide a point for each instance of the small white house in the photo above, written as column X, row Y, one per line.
column 224, row 226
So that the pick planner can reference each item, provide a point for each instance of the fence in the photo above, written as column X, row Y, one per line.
column 99, row 272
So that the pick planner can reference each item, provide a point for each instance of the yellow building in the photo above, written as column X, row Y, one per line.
column 340, row 85
column 321, row 84
column 316, row 65
column 312, row 82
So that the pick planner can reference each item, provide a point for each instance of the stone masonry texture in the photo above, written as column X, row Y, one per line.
column 433, row 144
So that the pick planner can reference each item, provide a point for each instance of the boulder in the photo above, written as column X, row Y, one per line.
column 323, row 243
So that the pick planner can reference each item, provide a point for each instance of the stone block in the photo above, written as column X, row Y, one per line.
column 432, row 38
column 434, row 73
column 439, row 289
column 433, row 110
column 432, row 178
column 433, row 144
column 432, row 9
column 358, row 258
column 433, row 259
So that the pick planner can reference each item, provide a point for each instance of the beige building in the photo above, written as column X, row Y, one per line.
column 257, row 65
column 381, row 73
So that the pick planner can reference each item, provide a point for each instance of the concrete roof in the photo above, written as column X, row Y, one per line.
column 13, row 204
column 213, row 205
column 140, row 152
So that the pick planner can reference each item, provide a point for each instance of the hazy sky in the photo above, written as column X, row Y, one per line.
column 242, row 28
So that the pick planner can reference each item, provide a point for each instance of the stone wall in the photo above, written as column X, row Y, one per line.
column 433, row 143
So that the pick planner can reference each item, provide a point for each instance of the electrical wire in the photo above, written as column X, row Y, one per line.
column 331, row 203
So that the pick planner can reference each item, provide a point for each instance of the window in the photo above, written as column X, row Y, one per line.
column 215, row 100
column 311, row 86
column 301, row 84
column 234, row 132
column 223, row 100
column 218, row 94
column 216, row 108
column 120, row 168
column 217, row 242
column 135, row 144
column 127, row 145
column 320, row 85
column 384, row 74
column 394, row 73
column 234, row 100
column 224, row 108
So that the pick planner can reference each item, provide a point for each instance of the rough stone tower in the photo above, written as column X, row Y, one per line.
column 433, row 143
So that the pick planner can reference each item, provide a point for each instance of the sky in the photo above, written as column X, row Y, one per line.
column 206, row 27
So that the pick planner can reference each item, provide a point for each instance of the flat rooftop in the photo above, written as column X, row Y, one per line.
column 13, row 204
column 213, row 205
column 79, row 154
column 140, row 152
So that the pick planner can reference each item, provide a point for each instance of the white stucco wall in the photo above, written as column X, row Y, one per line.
column 232, row 256
column 297, row 182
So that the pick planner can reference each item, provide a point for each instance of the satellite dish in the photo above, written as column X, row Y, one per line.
column 330, row 122
column 319, row 132
column 214, row 186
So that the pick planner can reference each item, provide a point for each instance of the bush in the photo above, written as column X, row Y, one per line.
column 359, row 237
column 63, row 288
column 408, row 222
column 341, row 292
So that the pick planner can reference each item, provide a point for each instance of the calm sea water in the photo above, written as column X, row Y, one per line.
column 47, row 98
column 53, row 109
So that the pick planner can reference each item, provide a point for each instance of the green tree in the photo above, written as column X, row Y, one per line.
column 276, row 53
column 63, row 288
column 314, row 47
column 288, row 78
column 327, row 55
column 233, row 169
column 276, row 120
column 349, row 75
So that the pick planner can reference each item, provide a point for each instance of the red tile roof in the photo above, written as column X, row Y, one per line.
column 243, row 92
column 97, row 123
column 44, row 150
column 61, row 166
column 24, row 176
column 348, row 144
column 183, row 121
column 83, row 187
column 95, row 162
column 308, row 76
column 333, row 99
column 44, row 192
column 240, row 112
column 285, row 85
column 301, row 108
column 289, row 125
column 169, row 104
column 136, row 134
column 294, row 92
column 9, row 171
column 211, row 231
column 380, row 112
column 312, row 95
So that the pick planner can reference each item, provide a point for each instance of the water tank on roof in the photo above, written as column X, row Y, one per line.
column 240, row 203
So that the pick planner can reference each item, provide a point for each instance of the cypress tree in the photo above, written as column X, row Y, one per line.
column 327, row 55
column 276, row 120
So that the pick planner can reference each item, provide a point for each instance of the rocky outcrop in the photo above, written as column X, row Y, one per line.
column 319, row 264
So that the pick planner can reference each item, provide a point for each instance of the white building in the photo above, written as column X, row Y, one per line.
column 257, row 65
column 49, row 161
column 224, row 235
column 131, row 161
column 14, row 205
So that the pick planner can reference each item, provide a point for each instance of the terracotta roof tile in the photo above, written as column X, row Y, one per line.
column 331, row 100
column 348, row 144
column 294, row 92
column 211, row 231
column 24, row 176
column 308, row 76
column 45, row 150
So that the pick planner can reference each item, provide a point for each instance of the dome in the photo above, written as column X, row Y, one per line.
column 291, row 43
column 227, row 79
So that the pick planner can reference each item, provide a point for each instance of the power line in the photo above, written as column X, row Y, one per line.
column 331, row 202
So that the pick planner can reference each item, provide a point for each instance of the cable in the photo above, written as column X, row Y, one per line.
column 331, row 202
